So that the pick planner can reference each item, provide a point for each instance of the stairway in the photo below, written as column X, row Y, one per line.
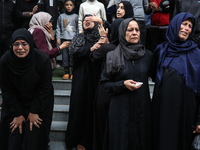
column 60, row 113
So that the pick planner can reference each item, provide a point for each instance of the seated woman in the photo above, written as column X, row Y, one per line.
column 125, row 78
column 176, row 112
column 43, row 35
column 27, row 91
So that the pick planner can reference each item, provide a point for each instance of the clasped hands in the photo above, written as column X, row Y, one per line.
column 33, row 118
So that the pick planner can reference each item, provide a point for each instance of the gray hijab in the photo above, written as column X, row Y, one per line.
column 115, row 59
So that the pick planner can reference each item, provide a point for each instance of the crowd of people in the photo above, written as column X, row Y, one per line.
column 110, row 64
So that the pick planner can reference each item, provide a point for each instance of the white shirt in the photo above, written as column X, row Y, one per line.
column 89, row 7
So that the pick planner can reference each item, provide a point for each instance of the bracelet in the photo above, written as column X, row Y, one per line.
column 59, row 49
column 101, row 36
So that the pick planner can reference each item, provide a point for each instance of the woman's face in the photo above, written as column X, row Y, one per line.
column 120, row 11
column 87, row 24
column 21, row 48
column 132, row 32
column 185, row 29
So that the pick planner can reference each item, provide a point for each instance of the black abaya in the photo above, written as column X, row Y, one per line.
column 101, row 102
column 174, row 113
column 130, row 111
column 30, row 91
column 85, row 79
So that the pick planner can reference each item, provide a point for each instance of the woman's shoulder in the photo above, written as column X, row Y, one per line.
column 6, row 57
column 148, row 52
column 38, row 32
column 40, row 55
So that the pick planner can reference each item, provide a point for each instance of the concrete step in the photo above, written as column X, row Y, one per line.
column 58, row 131
column 60, row 112
column 57, row 145
column 62, row 97
column 62, row 84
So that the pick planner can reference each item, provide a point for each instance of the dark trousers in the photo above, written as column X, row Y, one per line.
column 65, row 58
column 4, row 46
column 157, row 36
column 28, row 140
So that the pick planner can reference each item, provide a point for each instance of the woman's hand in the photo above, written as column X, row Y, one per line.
column 64, row 45
column 103, row 40
column 58, row 41
column 35, row 8
column 49, row 27
column 131, row 85
column 102, row 31
column 153, row 5
column 34, row 120
column 17, row 122
column 95, row 18
column 95, row 46
column 197, row 129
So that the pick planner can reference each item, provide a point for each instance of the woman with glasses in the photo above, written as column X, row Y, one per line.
column 27, row 92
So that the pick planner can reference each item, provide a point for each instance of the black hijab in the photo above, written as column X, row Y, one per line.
column 115, row 59
column 128, row 9
column 114, row 33
column 20, row 65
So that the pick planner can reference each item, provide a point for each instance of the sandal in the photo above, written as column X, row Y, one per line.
column 80, row 147
column 71, row 77
column 66, row 77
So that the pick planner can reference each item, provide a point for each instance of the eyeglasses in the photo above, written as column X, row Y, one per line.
column 24, row 44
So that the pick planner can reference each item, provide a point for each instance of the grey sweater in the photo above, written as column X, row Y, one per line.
column 67, row 26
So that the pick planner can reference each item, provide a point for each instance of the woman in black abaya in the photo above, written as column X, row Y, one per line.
column 102, row 99
column 130, row 106
column 176, row 112
column 27, row 92
column 85, row 79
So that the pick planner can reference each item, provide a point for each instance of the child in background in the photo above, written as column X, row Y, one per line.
column 67, row 27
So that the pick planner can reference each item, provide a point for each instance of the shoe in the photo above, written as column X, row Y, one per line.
column 71, row 77
column 80, row 147
column 66, row 77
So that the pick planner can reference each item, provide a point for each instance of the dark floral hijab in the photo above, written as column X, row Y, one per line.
column 79, row 40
